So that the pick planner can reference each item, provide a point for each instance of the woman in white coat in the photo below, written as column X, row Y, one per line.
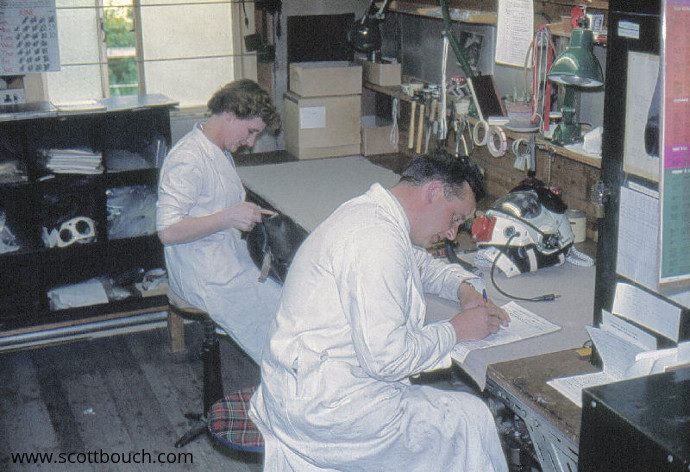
column 201, row 212
column 350, row 330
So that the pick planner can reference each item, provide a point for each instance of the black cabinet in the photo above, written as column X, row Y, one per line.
column 67, row 223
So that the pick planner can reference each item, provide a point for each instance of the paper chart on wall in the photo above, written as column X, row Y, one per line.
column 514, row 31
column 638, row 239
column 29, row 37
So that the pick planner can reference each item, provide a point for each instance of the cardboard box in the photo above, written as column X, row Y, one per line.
column 376, row 134
column 388, row 74
column 322, row 126
column 325, row 78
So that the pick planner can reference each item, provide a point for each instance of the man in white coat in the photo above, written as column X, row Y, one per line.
column 350, row 331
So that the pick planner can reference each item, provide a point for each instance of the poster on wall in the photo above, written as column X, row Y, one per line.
column 28, row 37
column 641, row 148
column 674, row 264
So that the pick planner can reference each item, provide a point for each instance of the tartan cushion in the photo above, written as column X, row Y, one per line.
column 229, row 423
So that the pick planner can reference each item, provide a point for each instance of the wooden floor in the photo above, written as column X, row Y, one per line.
column 118, row 395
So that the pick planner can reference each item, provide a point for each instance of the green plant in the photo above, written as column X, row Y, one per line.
column 519, row 97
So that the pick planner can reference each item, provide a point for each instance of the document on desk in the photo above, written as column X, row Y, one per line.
column 523, row 324
column 626, row 352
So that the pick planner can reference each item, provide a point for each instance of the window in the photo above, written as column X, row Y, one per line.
column 185, row 49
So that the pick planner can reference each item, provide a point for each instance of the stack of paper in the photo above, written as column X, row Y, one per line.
column 626, row 352
column 73, row 161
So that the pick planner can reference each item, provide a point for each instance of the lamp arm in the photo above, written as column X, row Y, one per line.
column 454, row 42
column 379, row 14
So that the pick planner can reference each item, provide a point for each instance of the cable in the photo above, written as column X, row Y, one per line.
column 579, row 258
column 395, row 113
column 454, row 259
column 541, row 298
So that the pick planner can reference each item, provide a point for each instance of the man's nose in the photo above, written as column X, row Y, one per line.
column 452, row 232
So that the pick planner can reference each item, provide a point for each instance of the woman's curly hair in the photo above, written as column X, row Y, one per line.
column 245, row 99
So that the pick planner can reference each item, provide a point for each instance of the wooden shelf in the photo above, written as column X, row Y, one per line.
column 456, row 14
column 558, row 29
column 543, row 144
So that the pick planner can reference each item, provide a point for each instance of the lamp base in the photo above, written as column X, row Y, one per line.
column 567, row 131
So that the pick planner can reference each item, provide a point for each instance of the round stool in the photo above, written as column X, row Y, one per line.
column 229, row 423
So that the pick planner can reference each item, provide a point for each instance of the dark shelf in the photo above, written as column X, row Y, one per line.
column 132, row 135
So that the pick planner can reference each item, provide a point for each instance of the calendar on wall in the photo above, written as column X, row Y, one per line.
column 28, row 37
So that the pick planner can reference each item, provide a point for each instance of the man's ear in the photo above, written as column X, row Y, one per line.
column 434, row 190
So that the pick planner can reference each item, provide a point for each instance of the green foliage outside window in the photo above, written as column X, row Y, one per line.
column 119, row 33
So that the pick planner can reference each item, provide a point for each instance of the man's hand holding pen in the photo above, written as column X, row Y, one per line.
column 479, row 318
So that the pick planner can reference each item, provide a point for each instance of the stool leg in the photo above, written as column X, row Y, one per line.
column 192, row 434
column 175, row 331
column 210, row 356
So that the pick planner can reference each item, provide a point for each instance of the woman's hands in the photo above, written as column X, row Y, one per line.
column 243, row 216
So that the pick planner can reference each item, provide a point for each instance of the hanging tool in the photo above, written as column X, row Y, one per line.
column 410, row 132
column 420, row 127
column 432, row 121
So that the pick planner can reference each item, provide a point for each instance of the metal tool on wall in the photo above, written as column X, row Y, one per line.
column 420, row 126
column 411, row 130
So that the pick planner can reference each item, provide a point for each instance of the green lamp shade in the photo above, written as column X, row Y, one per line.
column 577, row 65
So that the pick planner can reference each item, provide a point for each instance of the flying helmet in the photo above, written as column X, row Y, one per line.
column 524, row 230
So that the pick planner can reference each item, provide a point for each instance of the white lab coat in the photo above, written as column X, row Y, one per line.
column 214, row 273
column 349, row 331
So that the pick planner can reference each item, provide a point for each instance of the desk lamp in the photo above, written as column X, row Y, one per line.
column 575, row 67
column 365, row 35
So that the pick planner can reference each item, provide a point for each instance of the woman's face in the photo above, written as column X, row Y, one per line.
column 241, row 133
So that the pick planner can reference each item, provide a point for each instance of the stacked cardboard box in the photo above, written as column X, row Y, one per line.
column 322, row 109
column 376, row 136
column 381, row 73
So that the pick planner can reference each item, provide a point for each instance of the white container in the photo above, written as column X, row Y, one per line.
column 578, row 223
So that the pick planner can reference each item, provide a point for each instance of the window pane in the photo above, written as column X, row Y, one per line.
column 191, row 81
column 187, row 49
column 120, row 42
column 79, row 77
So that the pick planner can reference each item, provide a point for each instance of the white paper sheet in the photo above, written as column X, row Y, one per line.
column 571, row 387
column 647, row 310
column 523, row 324
column 627, row 331
column 514, row 31
column 638, row 239
column 617, row 356
column 621, row 360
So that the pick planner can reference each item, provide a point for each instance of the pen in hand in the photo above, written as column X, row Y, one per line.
column 486, row 299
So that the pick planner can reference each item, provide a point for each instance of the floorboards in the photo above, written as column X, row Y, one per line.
column 119, row 395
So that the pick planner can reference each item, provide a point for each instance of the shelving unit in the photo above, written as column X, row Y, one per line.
column 132, row 134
